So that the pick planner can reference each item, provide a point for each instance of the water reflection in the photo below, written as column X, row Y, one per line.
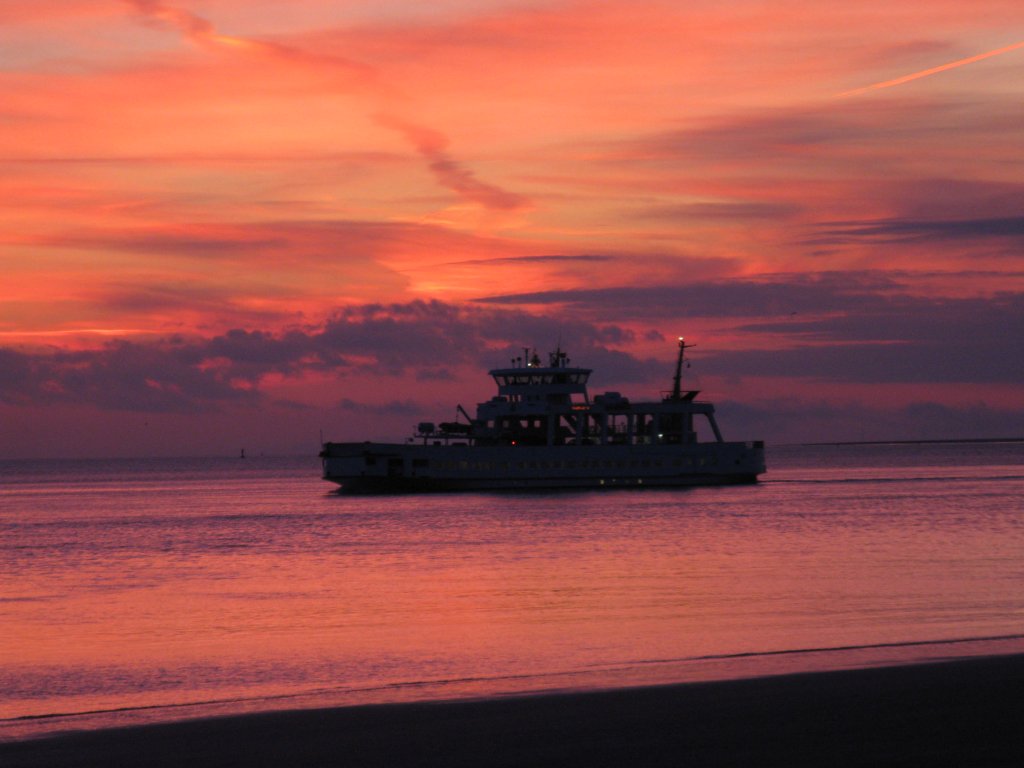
column 129, row 590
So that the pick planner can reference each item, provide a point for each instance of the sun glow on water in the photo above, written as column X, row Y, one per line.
column 168, row 584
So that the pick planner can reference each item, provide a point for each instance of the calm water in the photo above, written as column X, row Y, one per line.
column 155, row 589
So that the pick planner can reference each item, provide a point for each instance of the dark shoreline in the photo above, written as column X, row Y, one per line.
column 965, row 712
column 937, row 441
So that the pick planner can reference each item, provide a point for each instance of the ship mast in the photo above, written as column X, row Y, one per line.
column 677, row 380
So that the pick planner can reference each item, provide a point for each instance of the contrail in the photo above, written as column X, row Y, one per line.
column 195, row 28
column 202, row 32
column 932, row 71
column 430, row 144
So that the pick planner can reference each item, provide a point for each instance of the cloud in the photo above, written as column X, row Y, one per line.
column 895, row 339
column 189, row 24
column 122, row 376
column 541, row 259
column 863, row 327
column 17, row 377
column 864, row 336
column 220, row 275
column 798, row 420
column 300, row 243
column 390, row 408
column 768, row 296
column 899, row 230
column 199, row 241
column 436, row 335
column 758, row 154
column 317, row 62
column 202, row 32
column 887, row 362
column 764, row 136
column 432, row 145
column 181, row 374
column 726, row 211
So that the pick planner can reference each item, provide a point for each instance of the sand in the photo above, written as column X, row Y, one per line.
column 959, row 713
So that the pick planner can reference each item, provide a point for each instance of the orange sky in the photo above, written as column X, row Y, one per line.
column 216, row 215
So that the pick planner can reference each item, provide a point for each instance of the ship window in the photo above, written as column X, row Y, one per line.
column 419, row 462
column 463, row 465
column 371, row 461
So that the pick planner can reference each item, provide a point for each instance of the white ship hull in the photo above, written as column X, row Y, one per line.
column 395, row 468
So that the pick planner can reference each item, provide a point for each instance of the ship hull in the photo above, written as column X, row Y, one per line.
column 412, row 468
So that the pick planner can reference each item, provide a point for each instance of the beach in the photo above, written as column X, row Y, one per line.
column 962, row 712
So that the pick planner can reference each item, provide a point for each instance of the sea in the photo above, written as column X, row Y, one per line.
column 147, row 590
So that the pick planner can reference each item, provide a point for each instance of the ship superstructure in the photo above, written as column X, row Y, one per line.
column 542, row 430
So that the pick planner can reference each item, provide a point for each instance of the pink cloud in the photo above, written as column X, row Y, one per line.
column 174, row 167
column 432, row 145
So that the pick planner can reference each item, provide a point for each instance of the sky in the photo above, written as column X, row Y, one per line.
column 247, row 223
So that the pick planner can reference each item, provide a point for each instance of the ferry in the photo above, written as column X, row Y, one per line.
column 543, row 431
